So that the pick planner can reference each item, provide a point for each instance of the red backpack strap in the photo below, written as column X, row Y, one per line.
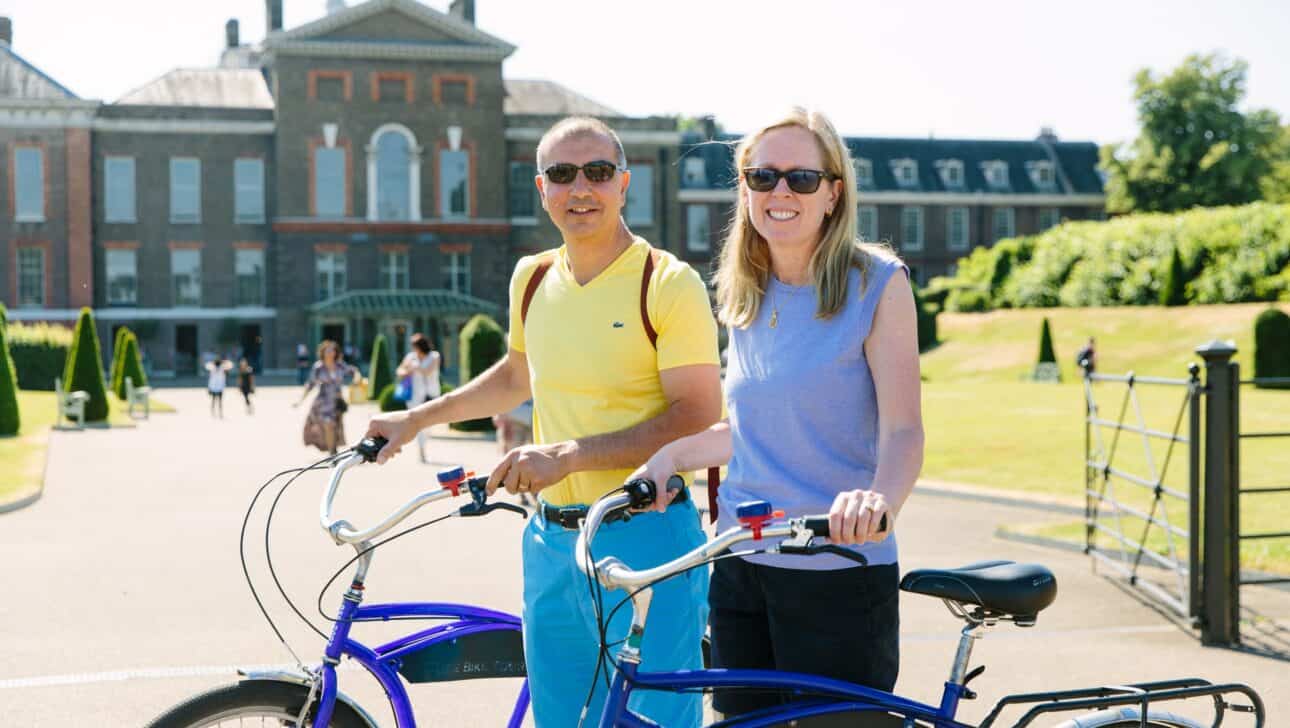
column 531, row 288
column 651, row 262
column 714, row 482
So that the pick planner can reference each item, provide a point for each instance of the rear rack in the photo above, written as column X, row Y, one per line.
column 1140, row 694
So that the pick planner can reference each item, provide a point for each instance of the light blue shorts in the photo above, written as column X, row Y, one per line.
column 560, row 636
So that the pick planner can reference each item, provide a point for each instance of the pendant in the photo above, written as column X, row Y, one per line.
column 774, row 318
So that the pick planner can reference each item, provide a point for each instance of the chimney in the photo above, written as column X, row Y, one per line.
column 6, row 31
column 230, row 34
column 335, row 6
column 273, row 13
column 1047, row 135
column 463, row 9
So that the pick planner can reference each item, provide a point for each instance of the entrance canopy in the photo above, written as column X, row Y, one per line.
column 429, row 302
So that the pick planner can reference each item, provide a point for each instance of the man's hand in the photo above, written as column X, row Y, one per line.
column 856, row 516
column 397, row 427
column 530, row 468
column 657, row 470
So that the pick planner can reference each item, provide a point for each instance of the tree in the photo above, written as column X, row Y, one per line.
column 1046, row 353
column 132, row 365
column 10, row 420
column 1195, row 148
column 1272, row 347
column 1276, row 186
column 1174, row 291
column 118, row 351
column 380, row 372
column 84, row 369
column 483, row 343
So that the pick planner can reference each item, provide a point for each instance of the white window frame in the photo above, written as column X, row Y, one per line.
column 864, row 171
column 252, row 191
column 122, row 254
column 1055, row 215
column 177, row 191
column 695, row 173
column 869, row 236
column 24, row 295
column 951, row 167
column 414, row 172
column 29, row 195
column 239, row 255
column 1009, row 223
column 1040, row 168
column 951, row 243
column 995, row 172
column 457, row 271
column 698, row 219
column 335, row 266
column 640, row 189
column 911, row 243
column 196, row 276
column 318, row 187
column 518, row 186
column 122, row 195
column 395, row 263
column 898, row 169
column 445, row 194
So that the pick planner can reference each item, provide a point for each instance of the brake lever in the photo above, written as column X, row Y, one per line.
column 803, row 543
column 479, row 505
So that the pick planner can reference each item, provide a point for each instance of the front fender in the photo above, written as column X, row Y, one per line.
column 296, row 677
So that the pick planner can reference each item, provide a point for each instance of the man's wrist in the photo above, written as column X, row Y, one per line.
column 570, row 453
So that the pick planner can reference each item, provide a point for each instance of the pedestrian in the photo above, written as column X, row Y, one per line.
column 246, row 383
column 325, row 423
column 1086, row 357
column 302, row 363
column 216, row 380
column 640, row 371
column 823, row 396
column 421, row 364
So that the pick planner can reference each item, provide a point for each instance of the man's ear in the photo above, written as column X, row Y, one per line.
column 540, row 182
column 627, row 182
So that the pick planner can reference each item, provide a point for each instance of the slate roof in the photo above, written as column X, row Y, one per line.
column 19, row 79
column 212, row 87
column 1077, row 162
column 550, row 98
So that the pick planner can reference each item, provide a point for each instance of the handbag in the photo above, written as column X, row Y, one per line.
column 403, row 390
column 341, row 405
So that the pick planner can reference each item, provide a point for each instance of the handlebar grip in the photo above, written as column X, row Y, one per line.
column 643, row 491
column 819, row 525
column 370, row 446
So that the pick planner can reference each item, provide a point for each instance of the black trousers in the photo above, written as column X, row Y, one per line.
column 843, row 624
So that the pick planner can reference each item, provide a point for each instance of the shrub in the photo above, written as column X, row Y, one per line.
column 118, row 351
column 84, row 370
column 1172, row 294
column 1046, row 353
column 38, row 353
column 387, row 400
column 9, row 416
column 968, row 300
column 132, row 365
column 483, row 343
column 380, row 373
column 926, row 322
column 1272, row 347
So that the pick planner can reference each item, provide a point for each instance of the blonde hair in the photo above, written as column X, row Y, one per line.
column 744, row 269
column 579, row 126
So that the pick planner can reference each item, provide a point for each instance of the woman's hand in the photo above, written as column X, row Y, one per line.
column 397, row 427
column 657, row 470
column 856, row 516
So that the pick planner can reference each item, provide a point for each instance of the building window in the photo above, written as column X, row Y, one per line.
column 996, row 174
column 1049, row 217
column 867, row 222
column 956, row 228
column 698, row 229
column 1005, row 223
column 453, row 90
column 186, row 276
column 122, row 276
column 951, row 173
column 331, row 86
column 456, row 275
column 248, row 190
column 864, row 172
column 454, row 183
column 695, row 173
column 329, row 182
column 905, row 171
column 31, row 276
column 118, row 189
column 393, row 86
column 522, row 191
column 331, row 275
column 394, row 162
column 29, row 184
column 185, row 190
column 1042, row 174
column 248, row 268
column 911, row 228
column 640, row 195
column 394, row 270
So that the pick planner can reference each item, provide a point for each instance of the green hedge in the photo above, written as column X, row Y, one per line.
column 1225, row 255
column 380, row 374
column 118, row 349
column 84, row 370
column 387, row 400
column 483, row 343
column 1272, row 347
column 132, row 365
column 926, row 322
column 10, row 419
column 39, row 353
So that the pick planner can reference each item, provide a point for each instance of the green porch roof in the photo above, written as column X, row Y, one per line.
column 391, row 303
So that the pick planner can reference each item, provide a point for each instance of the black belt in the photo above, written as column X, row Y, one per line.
column 570, row 516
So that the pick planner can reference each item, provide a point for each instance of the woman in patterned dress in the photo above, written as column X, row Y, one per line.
column 324, row 425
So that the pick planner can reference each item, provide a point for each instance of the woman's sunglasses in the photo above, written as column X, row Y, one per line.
column 801, row 181
column 595, row 172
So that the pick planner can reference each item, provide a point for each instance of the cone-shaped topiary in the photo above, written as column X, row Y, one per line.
column 381, row 373
column 9, row 415
column 1272, row 347
column 1046, row 353
column 118, row 352
column 483, row 343
column 926, row 322
column 84, row 369
column 387, row 400
column 1174, row 293
column 132, row 364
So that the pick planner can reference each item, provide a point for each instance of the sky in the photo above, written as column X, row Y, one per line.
column 914, row 68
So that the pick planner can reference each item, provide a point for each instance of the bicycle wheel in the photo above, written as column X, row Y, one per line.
column 252, row 703
column 1126, row 717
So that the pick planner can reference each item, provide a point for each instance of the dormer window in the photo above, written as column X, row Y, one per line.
column 695, row 173
column 1042, row 174
column 996, row 174
column 906, row 172
column 951, row 171
column 864, row 172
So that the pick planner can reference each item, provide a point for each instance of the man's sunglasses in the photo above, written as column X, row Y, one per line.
column 801, row 181
column 595, row 172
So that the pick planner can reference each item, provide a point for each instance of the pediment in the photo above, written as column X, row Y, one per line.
column 399, row 22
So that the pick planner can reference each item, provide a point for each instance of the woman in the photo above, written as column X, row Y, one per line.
column 822, row 392
column 324, row 426
column 216, row 381
column 246, row 383
column 422, row 364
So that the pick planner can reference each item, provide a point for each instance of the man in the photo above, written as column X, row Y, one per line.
column 606, row 395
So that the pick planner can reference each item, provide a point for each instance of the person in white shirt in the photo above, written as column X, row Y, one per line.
column 216, row 380
column 422, row 364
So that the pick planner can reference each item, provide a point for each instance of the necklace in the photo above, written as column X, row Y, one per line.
column 774, row 302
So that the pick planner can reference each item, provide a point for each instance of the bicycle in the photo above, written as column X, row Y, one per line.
column 982, row 594
column 475, row 643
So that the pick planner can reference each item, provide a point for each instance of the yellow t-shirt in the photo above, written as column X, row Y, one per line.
column 591, row 366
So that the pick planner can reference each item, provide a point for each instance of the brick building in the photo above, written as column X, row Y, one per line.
column 372, row 172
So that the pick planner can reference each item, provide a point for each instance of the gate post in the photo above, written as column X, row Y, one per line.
column 1220, row 586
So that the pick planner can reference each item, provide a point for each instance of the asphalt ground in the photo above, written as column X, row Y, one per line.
column 124, row 590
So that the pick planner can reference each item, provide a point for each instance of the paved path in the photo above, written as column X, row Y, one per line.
column 126, row 594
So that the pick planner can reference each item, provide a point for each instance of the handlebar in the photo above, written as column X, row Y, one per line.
column 451, row 482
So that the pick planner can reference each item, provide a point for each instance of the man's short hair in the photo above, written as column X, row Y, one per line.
column 577, row 126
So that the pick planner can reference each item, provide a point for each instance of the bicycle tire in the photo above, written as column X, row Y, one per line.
column 271, row 699
column 1128, row 717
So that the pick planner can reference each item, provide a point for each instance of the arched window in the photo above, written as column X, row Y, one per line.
column 393, row 175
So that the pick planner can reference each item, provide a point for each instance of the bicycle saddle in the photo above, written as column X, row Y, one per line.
column 1003, row 587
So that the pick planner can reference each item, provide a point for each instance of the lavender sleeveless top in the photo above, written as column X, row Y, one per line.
column 802, row 409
